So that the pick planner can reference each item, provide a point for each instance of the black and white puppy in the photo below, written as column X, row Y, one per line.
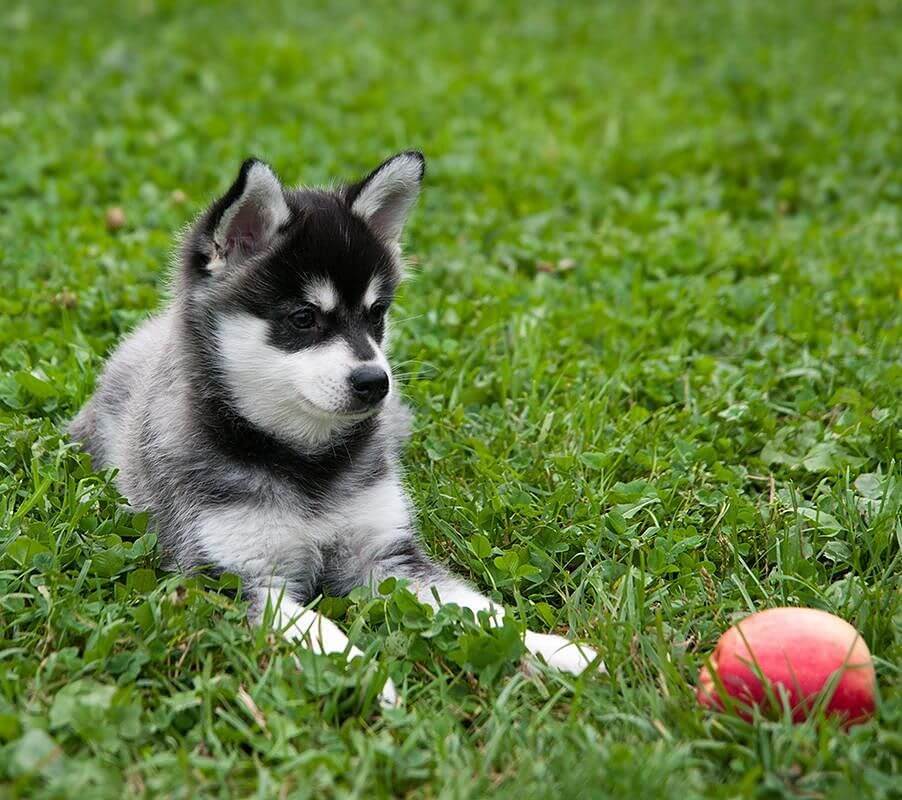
column 255, row 416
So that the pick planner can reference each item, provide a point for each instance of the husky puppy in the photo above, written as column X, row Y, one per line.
column 256, row 418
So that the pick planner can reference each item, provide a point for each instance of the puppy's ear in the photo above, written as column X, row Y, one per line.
column 384, row 197
column 245, row 220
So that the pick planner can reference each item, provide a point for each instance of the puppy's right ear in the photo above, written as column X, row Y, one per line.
column 245, row 220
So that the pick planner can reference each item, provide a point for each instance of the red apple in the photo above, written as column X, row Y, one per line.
column 802, row 652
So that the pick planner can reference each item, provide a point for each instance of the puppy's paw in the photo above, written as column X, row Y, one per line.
column 388, row 697
column 561, row 653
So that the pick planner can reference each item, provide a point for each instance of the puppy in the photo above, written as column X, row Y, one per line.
column 256, row 417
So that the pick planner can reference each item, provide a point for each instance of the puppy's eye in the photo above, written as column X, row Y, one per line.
column 304, row 318
column 377, row 313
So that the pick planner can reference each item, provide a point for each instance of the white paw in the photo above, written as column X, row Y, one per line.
column 388, row 697
column 561, row 653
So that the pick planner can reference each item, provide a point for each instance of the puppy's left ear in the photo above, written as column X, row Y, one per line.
column 383, row 199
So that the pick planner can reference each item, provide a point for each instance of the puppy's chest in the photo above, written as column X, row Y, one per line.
column 271, row 538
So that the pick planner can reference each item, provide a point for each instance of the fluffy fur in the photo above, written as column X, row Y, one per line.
column 255, row 417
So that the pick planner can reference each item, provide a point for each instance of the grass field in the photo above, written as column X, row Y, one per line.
column 652, row 342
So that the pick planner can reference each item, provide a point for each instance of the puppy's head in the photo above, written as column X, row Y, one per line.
column 289, row 291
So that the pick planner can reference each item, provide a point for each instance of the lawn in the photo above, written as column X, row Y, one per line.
column 652, row 340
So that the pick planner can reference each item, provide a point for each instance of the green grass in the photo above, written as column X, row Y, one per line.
column 652, row 341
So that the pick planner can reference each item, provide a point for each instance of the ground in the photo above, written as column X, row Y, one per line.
column 652, row 339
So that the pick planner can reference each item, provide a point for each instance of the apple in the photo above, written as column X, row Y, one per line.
column 804, row 654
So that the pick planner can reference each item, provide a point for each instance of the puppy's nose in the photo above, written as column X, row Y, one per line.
column 369, row 384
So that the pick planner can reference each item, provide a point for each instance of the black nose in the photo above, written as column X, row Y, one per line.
column 369, row 384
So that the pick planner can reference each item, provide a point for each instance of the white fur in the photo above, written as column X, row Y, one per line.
column 319, row 633
column 386, row 198
column 259, row 539
column 322, row 293
column 561, row 653
column 269, row 540
column 459, row 593
column 381, row 360
column 372, row 292
column 297, row 623
column 303, row 395
column 263, row 197
column 556, row 651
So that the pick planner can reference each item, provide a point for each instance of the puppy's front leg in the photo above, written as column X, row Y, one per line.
column 404, row 558
column 317, row 632
column 561, row 653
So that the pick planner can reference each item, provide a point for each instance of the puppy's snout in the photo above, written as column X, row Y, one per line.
column 369, row 384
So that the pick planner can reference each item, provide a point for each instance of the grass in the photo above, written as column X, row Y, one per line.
column 653, row 344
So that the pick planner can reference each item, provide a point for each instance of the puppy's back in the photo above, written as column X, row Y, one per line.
column 102, row 426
